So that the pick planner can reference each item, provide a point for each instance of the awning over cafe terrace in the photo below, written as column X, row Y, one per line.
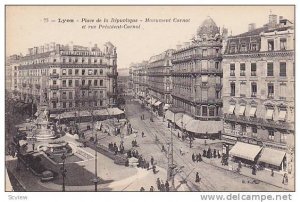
column 272, row 156
column 245, row 151
column 170, row 115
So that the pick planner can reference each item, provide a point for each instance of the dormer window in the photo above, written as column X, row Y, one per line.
column 270, row 45
column 243, row 47
column 254, row 47
column 232, row 49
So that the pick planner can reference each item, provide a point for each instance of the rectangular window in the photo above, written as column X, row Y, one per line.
column 90, row 82
column 282, row 69
column 95, row 60
column 211, row 111
column 254, row 131
column 95, row 82
column 70, row 83
column 204, row 52
column 242, row 69
column 95, row 71
column 217, row 65
column 76, row 83
column 83, row 72
column 253, row 69
column 83, row 82
column 270, row 71
column 253, row 89
column 243, row 89
column 64, row 82
column 76, row 60
column 70, row 95
column 204, row 111
column 54, row 82
column 70, row 71
column 101, row 103
column 76, row 71
column 232, row 126
column 270, row 45
column 232, row 69
column 283, row 138
column 232, row 49
column 270, row 90
column 54, row 71
column 282, row 91
column 70, row 104
column 283, row 44
column 64, row 105
column 232, row 89
column 54, row 105
column 64, row 72
column 101, row 82
column 254, row 47
column 271, row 135
column 90, row 72
column 243, row 47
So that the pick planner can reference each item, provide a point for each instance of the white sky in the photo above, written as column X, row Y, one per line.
column 25, row 27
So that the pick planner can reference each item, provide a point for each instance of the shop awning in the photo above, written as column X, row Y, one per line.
column 245, row 151
column 252, row 112
column 169, row 115
column 157, row 103
column 178, row 119
column 242, row 110
column 153, row 101
column 269, row 114
column 231, row 109
column 115, row 111
column 186, row 119
column 166, row 106
column 203, row 127
column 282, row 115
column 272, row 156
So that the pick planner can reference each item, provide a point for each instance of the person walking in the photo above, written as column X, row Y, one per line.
column 152, row 161
column 167, row 186
column 142, row 189
column 142, row 134
column 158, row 184
column 193, row 157
column 197, row 178
column 151, row 189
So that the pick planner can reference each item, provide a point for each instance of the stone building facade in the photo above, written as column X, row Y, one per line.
column 258, row 86
column 67, row 77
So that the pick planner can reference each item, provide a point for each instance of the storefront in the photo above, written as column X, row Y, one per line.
column 246, row 153
column 273, row 159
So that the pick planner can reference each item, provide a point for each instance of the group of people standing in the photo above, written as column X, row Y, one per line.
column 209, row 153
column 114, row 148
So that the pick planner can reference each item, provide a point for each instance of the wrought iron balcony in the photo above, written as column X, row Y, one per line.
column 54, row 76
column 54, row 99
column 54, row 87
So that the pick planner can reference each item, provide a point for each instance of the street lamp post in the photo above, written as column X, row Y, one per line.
column 63, row 171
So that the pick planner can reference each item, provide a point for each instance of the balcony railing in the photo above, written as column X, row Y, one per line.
column 258, row 121
column 54, row 99
column 54, row 76
column 54, row 87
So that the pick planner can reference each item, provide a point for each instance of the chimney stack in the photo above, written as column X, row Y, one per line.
column 251, row 27
column 272, row 20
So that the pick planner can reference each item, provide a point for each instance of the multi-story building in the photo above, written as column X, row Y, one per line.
column 10, row 74
column 197, row 83
column 140, row 83
column 258, row 90
column 68, row 77
column 159, row 81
